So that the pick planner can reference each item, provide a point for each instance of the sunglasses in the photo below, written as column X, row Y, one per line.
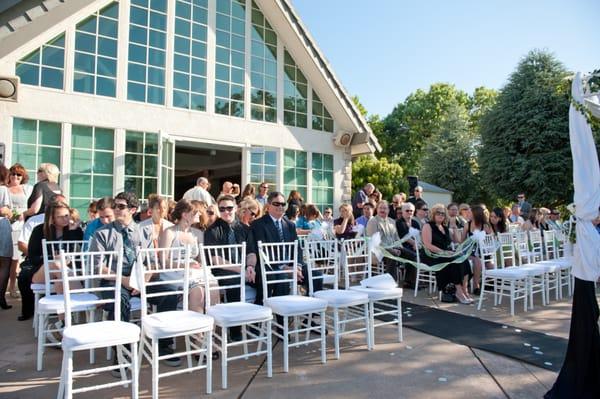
column 440, row 213
column 253, row 214
column 425, row 209
column 16, row 174
column 121, row 206
column 265, row 187
column 210, row 213
column 409, row 211
column 226, row 208
column 279, row 204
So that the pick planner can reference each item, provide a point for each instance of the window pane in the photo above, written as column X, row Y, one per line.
column 49, row 154
column 104, row 139
column 81, row 186
column 50, row 133
column 82, row 136
column 52, row 78
column 81, row 161
column 103, row 162
column 29, row 74
column 103, row 186
column 24, row 130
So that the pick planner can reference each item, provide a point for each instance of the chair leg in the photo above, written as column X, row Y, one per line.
column 41, row 341
column 512, row 298
column 367, row 326
column 188, row 348
column 135, row 371
column 208, row 336
column 323, row 339
column 244, row 338
column 224, row 355
column 69, row 381
column 285, row 344
column 63, row 371
column 372, row 322
column 155, row 369
column 269, row 334
column 400, row 338
column 336, row 332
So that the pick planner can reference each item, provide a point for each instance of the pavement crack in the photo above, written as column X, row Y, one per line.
column 490, row 373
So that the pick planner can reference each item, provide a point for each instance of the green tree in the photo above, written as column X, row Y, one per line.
column 387, row 177
column 525, row 135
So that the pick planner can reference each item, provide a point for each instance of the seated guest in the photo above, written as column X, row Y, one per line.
column 201, row 219
column 295, row 198
column 554, row 220
column 344, row 225
column 455, row 223
column 212, row 213
column 498, row 221
column 367, row 213
column 532, row 222
column 421, row 212
column 123, row 234
column 273, row 227
column 180, row 234
column 313, row 217
column 157, row 223
column 386, row 226
column 54, row 228
column 515, row 216
column 327, row 215
column 480, row 222
column 395, row 208
column 228, row 231
column 464, row 213
column 106, row 214
column 249, row 210
column 436, row 239
column 409, row 247
column 249, row 192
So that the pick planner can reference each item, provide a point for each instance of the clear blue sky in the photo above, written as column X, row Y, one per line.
column 383, row 50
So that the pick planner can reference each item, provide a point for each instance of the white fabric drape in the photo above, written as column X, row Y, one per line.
column 586, row 180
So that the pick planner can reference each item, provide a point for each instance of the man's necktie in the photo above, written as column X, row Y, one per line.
column 231, row 237
column 128, row 251
column 280, row 231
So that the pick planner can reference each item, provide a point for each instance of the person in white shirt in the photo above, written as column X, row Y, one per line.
column 199, row 192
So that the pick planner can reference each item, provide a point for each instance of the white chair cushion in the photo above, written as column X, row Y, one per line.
column 56, row 303
column 39, row 288
column 100, row 334
column 342, row 298
column 560, row 263
column 508, row 273
column 175, row 322
column 236, row 313
column 291, row 305
column 381, row 282
column 329, row 279
column 378, row 295
column 535, row 269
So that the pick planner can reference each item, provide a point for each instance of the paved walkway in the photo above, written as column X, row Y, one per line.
column 421, row 366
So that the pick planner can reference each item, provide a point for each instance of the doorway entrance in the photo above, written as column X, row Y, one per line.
column 215, row 162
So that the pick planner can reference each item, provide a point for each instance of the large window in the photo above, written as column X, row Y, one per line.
column 167, row 166
column 96, row 53
column 295, row 94
column 322, row 180
column 263, row 167
column 35, row 142
column 321, row 119
column 147, row 55
column 44, row 66
column 295, row 172
column 230, row 53
column 92, row 159
column 189, row 77
column 264, row 68
column 141, row 163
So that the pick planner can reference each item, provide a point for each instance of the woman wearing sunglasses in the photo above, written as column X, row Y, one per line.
column 249, row 211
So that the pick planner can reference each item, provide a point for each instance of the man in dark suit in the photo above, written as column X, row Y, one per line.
column 403, row 225
column 273, row 227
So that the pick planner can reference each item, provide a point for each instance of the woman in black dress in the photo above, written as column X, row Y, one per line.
column 436, row 239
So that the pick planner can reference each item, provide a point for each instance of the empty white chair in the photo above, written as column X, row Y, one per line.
column 235, row 314
column 165, row 272
column 510, row 282
column 384, row 301
column 279, row 269
column 562, row 264
column 323, row 260
column 508, row 257
column 52, row 304
column 538, row 273
column 87, row 270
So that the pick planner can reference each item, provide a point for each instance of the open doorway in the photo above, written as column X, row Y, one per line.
column 217, row 163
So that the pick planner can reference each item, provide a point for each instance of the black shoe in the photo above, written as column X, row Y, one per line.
column 24, row 317
column 215, row 356
column 477, row 291
column 4, row 305
column 173, row 361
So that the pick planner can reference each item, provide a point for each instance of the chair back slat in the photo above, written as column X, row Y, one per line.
column 166, row 271
column 228, row 257
column 87, row 277
column 507, row 250
column 356, row 260
column 536, row 245
column 51, row 254
column 488, row 247
column 322, row 256
column 278, row 262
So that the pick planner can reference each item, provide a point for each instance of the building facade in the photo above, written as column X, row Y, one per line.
column 147, row 95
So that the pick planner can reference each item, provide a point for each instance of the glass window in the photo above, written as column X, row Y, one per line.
column 141, row 163
column 295, row 172
column 295, row 92
column 147, row 51
column 44, row 66
column 36, row 142
column 230, row 65
column 322, row 180
column 189, row 80
column 321, row 118
column 167, row 172
column 263, row 167
column 263, row 77
column 96, row 53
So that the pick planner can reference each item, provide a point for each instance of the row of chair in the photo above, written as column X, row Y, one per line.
column 359, row 302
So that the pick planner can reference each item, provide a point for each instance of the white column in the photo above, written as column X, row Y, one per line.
column 69, row 58
column 119, row 165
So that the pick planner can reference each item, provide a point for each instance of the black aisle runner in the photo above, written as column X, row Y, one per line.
column 528, row 346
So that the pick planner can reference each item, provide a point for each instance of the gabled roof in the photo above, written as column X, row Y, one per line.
column 432, row 188
column 18, row 15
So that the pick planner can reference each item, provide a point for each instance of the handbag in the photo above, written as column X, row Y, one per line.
column 449, row 294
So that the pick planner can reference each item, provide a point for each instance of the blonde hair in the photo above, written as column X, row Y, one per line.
column 348, row 208
column 50, row 170
column 438, row 208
